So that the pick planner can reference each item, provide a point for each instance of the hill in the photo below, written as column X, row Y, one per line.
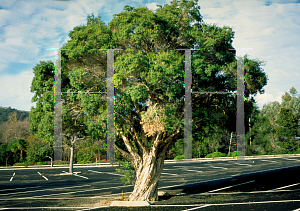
column 4, row 112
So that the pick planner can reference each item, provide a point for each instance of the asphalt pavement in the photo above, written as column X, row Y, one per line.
column 260, row 184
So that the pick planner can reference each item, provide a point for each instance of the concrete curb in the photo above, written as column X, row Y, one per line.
column 129, row 204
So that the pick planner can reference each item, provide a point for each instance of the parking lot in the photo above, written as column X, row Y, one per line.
column 233, row 185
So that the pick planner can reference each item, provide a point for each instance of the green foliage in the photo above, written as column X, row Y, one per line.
column 126, row 169
column 287, row 123
column 4, row 113
column 40, row 163
column 25, row 164
column 215, row 154
column 86, row 153
column 179, row 157
column 235, row 153
column 37, row 150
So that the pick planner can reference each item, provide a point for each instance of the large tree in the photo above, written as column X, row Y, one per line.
column 149, row 77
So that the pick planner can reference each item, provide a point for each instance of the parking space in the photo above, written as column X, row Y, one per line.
column 48, row 186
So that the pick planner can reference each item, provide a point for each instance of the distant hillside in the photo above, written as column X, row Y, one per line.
column 4, row 112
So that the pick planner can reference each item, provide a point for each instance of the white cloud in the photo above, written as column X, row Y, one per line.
column 16, row 90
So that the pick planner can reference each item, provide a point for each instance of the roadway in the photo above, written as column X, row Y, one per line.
column 238, row 186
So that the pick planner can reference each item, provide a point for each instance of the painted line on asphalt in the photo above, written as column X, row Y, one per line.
column 291, row 159
column 168, row 169
column 32, row 191
column 77, row 175
column 243, row 164
column 19, row 188
column 269, row 161
column 105, row 173
column 42, row 176
column 45, row 177
column 229, row 187
column 234, row 193
column 242, row 203
column 92, row 208
column 12, row 177
column 56, row 194
column 194, row 170
column 286, row 186
column 218, row 167
column 296, row 209
column 39, row 208
column 170, row 174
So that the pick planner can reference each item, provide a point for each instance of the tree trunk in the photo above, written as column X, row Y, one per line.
column 147, row 178
column 230, row 143
column 71, row 158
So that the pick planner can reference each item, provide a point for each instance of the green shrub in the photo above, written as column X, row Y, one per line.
column 40, row 163
column 233, row 154
column 60, row 163
column 179, row 157
column 298, row 151
column 127, row 170
column 215, row 154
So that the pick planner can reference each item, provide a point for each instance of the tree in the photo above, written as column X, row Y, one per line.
column 19, row 145
column 37, row 150
column 287, row 129
column 149, row 78
column 14, row 128
column 41, row 117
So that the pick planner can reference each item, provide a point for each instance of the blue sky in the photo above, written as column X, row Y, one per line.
column 27, row 28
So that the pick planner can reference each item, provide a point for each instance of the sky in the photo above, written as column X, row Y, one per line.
column 27, row 28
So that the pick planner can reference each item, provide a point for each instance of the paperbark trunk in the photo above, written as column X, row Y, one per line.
column 71, row 158
column 147, row 178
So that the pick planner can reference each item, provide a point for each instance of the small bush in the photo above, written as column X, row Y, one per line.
column 215, row 154
column 40, row 163
column 179, row 157
column 127, row 171
column 233, row 154
column 60, row 163
column 298, row 151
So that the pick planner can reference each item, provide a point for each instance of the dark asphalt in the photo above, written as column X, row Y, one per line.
column 228, row 183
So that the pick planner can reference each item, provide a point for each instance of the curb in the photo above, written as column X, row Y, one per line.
column 129, row 204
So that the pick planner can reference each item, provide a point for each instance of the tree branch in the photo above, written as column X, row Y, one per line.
column 133, row 153
column 124, row 153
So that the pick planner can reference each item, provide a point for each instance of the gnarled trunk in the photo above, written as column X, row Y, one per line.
column 147, row 178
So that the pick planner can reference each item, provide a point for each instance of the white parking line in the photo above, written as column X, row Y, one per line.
column 168, row 169
column 241, row 203
column 286, row 186
column 45, row 178
column 243, row 164
column 229, row 187
column 56, row 194
column 218, row 167
column 42, row 176
column 77, row 175
column 12, row 177
column 105, row 173
column 291, row 159
column 170, row 174
column 32, row 191
column 19, row 188
column 194, row 170
column 41, row 208
column 269, row 161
